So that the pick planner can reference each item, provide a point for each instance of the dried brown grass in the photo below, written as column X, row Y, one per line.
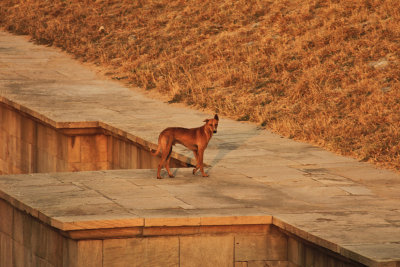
column 322, row 71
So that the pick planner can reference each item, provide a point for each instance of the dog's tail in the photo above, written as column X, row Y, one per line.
column 156, row 152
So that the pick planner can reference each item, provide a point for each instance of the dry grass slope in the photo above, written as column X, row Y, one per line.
column 323, row 71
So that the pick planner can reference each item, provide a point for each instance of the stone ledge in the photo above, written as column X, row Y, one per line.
column 107, row 222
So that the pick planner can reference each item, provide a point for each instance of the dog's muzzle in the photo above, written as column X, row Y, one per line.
column 214, row 131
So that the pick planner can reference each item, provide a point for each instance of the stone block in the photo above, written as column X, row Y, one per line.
column 45, row 162
column 41, row 139
column 3, row 166
column 12, row 150
column 101, row 148
column 88, row 149
column 61, row 165
column 22, row 256
column 28, row 130
column 93, row 148
column 110, row 158
column 70, row 253
column 88, row 166
column 6, row 250
column 83, row 253
column 18, row 125
column 26, row 157
column 320, row 258
column 128, row 156
column 243, row 229
column 133, row 160
column 18, row 153
column 167, row 221
column 121, row 153
column 295, row 251
column 22, row 229
column 6, row 215
column 46, row 243
column 74, row 166
column 3, row 117
column 12, row 122
column 4, row 145
column 51, row 141
column 258, row 264
column 2, row 141
column 15, row 170
column 170, row 231
column 309, row 256
column 102, row 165
column 146, row 160
column 157, row 251
column 40, row 262
column 62, row 144
column 74, row 149
column 268, row 264
column 207, row 250
column 236, row 220
column 38, row 239
column 90, row 253
column 115, row 154
column 255, row 247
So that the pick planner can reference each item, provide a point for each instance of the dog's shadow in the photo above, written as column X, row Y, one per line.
column 233, row 142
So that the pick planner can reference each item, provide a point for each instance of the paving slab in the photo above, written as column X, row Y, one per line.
column 350, row 207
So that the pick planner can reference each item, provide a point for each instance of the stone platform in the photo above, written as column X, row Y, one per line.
column 268, row 200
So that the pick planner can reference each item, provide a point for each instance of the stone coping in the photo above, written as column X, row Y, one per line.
column 65, row 224
column 320, row 196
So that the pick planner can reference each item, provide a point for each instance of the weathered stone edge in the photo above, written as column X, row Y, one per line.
column 68, row 224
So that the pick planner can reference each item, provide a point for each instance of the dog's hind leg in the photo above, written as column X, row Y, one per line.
column 159, row 169
column 167, row 163
column 161, row 164
column 197, row 161
column 166, row 147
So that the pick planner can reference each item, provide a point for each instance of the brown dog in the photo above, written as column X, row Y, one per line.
column 196, row 139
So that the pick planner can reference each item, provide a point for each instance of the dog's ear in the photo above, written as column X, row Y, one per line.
column 206, row 120
column 216, row 117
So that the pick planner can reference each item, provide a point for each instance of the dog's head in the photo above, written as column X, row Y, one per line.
column 212, row 123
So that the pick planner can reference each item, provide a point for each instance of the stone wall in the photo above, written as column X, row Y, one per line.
column 25, row 241
column 29, row 145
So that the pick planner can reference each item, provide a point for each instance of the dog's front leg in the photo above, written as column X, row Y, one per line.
column 200, row 164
